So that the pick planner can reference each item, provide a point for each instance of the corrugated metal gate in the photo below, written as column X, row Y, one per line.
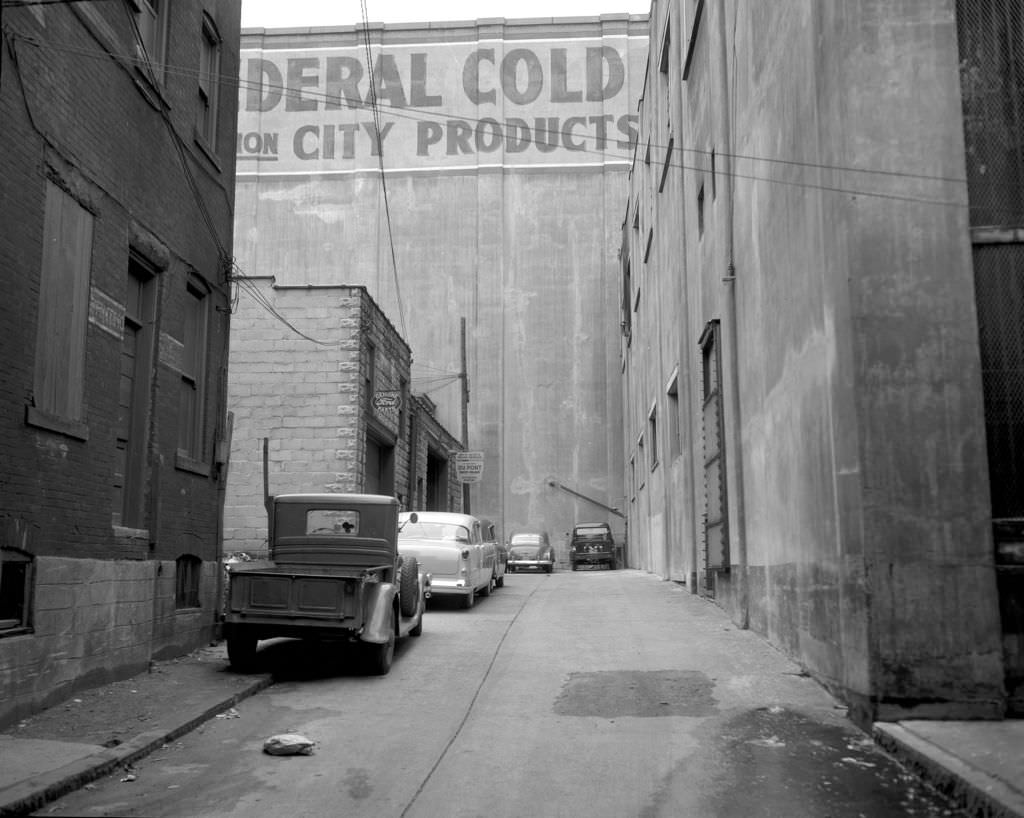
column 991, row 43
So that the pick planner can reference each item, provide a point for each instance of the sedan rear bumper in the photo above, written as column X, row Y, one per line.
column 449, row 587
column 517, row 564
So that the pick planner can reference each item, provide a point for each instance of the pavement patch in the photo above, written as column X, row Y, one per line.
column 639, row 693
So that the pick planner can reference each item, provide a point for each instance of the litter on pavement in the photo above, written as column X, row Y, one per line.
column 288, row 744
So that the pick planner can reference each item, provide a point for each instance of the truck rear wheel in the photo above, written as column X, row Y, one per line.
column 417, row 629
column 380, row 657
column 242, row 651
column 408, row 587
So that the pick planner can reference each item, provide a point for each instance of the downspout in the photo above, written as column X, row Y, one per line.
column 742, row 588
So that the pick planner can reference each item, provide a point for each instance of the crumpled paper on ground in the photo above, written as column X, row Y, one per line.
column 288, row 744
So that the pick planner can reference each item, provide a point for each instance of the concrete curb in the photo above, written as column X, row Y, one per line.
column 971, row 789
column 33, row 793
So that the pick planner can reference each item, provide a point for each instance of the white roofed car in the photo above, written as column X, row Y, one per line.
column 453, row 550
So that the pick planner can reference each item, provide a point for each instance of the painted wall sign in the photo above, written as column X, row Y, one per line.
column 440, row 105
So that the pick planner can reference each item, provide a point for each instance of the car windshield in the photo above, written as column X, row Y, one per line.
column 591, row 532
column 525, row 539
column 434, row 531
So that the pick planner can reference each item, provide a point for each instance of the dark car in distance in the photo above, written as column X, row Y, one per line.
column 592, row 544
column 530, row 551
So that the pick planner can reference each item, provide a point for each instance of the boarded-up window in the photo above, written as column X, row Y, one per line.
column 63, row 306
column 133, row 396
column 192, row 413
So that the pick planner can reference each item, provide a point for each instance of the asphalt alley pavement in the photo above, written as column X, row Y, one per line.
column 978, row 764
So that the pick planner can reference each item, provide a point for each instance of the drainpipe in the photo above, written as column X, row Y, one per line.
column 735, row 428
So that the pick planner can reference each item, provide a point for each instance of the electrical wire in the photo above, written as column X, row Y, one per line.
column 419, row 115
column 233, row 272
column 16, row 4
column 380, row 160
column 245, row 284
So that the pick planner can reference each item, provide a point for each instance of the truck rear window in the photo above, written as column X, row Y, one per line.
column 332, row 521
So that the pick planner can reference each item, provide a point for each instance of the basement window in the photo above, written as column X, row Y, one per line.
column 187, row 570
column 16, row 579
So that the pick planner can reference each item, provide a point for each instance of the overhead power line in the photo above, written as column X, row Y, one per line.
column 245, row 284
column 380, row 161
column 419, row 115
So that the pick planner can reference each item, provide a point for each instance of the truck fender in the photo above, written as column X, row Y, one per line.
column 378, row 612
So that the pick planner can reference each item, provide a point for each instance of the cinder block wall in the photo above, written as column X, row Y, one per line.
column 303, row 389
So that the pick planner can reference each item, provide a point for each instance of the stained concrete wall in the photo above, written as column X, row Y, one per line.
column 518, row 237
column 833, row 247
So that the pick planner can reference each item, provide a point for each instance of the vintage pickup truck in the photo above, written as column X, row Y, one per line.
column 333, row 573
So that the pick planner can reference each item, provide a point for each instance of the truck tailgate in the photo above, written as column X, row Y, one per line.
column 293, row 593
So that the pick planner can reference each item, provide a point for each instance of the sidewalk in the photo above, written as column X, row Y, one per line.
column 104, row 729
column 978, row 764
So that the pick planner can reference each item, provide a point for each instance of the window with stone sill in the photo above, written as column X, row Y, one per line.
column 151, row 21
column 209, row 83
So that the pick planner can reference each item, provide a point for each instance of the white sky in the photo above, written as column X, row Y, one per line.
column 300, row 13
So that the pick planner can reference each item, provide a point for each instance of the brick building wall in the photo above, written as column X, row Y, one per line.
column 109, row 527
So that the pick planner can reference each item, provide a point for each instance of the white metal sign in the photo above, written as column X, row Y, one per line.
column 469, row 466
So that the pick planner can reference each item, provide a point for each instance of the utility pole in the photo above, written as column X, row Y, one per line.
column 464, row 375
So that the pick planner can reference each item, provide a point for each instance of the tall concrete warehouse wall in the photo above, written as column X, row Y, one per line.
column 506, row 147
column 827, row 483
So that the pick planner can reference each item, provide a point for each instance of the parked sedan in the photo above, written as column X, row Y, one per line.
column 530, row 551
column 491, row 535
column 453, row 549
